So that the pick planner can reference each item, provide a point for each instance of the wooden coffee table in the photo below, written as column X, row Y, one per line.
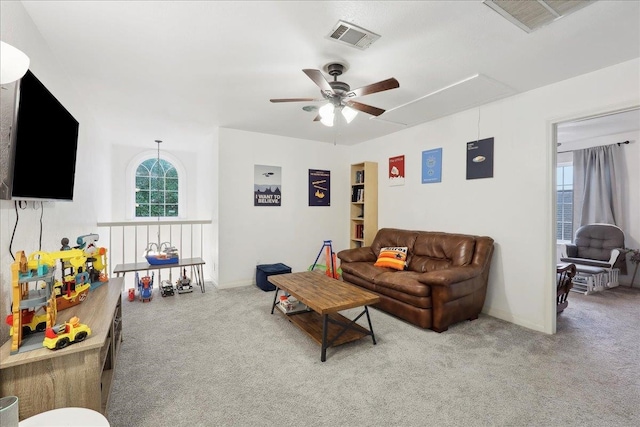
column 325, row 297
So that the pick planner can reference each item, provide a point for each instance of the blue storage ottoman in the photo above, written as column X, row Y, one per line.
column 265, row 270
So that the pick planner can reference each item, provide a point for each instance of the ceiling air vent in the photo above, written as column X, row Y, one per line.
column 531, row 15
column 352, row 35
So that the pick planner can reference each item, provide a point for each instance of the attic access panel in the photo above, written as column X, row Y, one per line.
column 468, row 93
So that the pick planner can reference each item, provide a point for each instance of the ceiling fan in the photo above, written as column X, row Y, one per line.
column 340, row 95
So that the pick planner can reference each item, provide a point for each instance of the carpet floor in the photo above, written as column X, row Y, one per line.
column 220, row 358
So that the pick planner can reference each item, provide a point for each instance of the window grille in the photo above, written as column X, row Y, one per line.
column 564, row 203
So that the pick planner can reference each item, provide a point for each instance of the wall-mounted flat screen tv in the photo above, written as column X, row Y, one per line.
column 43, row 145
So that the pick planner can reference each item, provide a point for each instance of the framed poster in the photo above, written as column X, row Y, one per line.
column 319, row 187
column 480, row 159
column 432, row 166
column 267, row 185
column 396, row 170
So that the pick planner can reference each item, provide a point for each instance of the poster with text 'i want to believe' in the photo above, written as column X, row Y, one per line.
column 267, row 185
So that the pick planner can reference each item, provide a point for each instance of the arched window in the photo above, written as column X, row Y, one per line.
column 156, row 186
column 156, row 189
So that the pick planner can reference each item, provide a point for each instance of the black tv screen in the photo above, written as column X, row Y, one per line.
column 44, row 143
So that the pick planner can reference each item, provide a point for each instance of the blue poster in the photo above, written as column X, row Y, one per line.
column 432, row 166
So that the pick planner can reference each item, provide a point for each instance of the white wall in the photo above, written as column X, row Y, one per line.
column 516, row 207
column 292, row 233
column 59, row 219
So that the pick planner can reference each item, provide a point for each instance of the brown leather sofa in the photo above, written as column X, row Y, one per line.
column 445, row 280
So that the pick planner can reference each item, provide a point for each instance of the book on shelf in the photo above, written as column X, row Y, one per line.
column 289, row 304
column 357, row 193
column 292, row 309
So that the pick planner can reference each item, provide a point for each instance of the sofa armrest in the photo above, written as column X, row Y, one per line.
column 362, row 254
column 449, row 276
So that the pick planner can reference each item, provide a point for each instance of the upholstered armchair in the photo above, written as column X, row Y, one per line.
column 596, row 250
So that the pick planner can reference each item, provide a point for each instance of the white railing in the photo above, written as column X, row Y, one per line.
column 127, row 241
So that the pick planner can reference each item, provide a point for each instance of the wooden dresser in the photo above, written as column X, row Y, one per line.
column 79, row 375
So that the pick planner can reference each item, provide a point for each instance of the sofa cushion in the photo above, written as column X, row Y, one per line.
column 392, row 257
column 363, row 270
column 438, row 251
column 412, row 300
column 393, row 237
column 403, row 281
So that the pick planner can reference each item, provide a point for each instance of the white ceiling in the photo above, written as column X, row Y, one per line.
column 176, row 70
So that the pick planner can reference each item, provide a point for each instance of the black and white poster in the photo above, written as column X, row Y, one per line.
column 267, row 185
column 319, row 187
column 480, row 159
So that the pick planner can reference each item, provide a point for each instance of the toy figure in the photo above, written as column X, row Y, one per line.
column 65, row 244
column 184, row 283
column 166, row 288
column 145, row 287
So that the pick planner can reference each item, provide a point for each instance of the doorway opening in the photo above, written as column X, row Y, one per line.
column 616, row 127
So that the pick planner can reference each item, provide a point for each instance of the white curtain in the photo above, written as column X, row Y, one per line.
column 598, row 186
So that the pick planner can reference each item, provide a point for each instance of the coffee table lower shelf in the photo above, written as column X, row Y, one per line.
column 311, row 323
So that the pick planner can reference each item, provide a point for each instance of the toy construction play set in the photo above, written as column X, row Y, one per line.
column 39, row 293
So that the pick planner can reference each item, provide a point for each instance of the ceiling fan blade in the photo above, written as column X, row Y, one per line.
column 319, row 79
column 374, row 111
column 296, row 100
column 374, row 88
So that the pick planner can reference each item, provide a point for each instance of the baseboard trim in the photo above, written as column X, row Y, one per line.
column 509, row 317
column 237, row 284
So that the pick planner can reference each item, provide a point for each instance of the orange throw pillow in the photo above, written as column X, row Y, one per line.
column 392, row 257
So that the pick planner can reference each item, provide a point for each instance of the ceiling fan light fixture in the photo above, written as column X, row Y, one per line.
column 349, row 113
column 338, row 95
column 326, row 110
column 327, row 114
column 327, row 120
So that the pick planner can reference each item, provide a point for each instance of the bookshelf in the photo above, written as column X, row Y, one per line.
column 364, row 204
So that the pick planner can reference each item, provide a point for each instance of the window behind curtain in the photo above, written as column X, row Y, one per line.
column 156, row 189
column 564, row 207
